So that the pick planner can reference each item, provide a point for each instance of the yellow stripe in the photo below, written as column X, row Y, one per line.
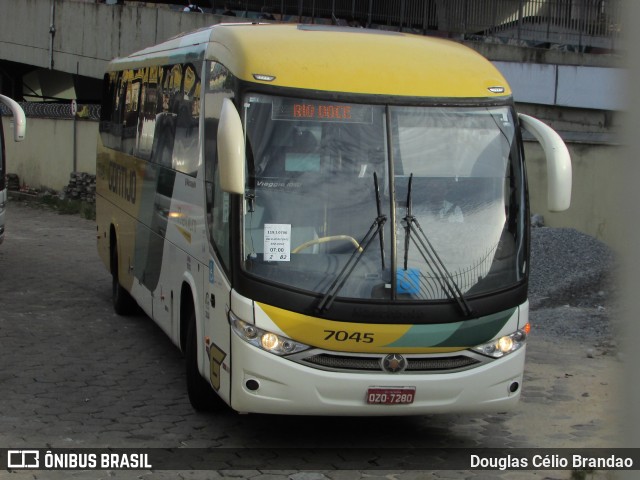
column 186, row 234
column 343, row 336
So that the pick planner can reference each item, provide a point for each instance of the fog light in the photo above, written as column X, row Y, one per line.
column 252, row 385
column 250, row 331
column 489, row 349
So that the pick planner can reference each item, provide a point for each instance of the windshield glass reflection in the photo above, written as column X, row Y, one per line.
column 321, row 175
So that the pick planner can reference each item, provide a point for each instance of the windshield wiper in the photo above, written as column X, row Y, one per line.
column 380, row 215
column 429, row 255
column 345, row 273
column 407, row 223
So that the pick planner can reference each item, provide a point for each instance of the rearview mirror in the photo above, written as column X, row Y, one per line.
column 19, row 120
column 558, row 162
column 231, row 149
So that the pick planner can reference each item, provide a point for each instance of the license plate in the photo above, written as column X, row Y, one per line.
column 391, row 395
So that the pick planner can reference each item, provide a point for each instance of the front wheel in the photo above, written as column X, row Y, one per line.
column 123, row 302
column 201, row 395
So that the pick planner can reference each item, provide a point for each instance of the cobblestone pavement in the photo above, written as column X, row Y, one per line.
column 74, row 374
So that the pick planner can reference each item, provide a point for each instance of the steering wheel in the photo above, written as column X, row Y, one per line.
column 332, row 238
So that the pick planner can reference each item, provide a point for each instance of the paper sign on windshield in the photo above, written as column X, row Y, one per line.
column 277, row 242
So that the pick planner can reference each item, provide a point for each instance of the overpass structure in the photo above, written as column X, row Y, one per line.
column 77, row 37
column 58, row 49
column 48, row 41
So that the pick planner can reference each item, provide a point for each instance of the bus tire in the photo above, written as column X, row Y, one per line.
column 201, row 395
column 123, row 302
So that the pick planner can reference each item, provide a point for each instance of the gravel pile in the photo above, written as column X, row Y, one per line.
column 568, row 267
column 571, row 285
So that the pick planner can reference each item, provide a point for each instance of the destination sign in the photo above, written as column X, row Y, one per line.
column 295, row 109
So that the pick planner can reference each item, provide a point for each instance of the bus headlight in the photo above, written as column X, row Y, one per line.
column 267, row 341
column 504, row 345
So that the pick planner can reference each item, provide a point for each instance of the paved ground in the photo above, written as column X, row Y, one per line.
column 74, row 374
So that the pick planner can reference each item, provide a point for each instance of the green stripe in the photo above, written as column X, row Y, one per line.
column 467, row 333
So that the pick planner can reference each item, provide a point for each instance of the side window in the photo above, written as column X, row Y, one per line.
column 186, row 108
column 219, row 85
column 118, row 110
column 154, row 114
column 164, row 123
column 169, row 133
column 148, row 111
column 109, row 83
column 110, row 123
column 131, row 92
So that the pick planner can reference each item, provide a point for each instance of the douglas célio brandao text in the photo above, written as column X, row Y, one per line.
column 550, row 461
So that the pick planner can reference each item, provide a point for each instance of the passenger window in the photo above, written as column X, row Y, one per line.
column 154, row 114
column 187, row 117
column 219, row 86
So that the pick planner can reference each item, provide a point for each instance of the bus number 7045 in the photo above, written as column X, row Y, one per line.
column 343, row 336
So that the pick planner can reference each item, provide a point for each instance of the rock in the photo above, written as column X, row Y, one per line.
column 537, row 220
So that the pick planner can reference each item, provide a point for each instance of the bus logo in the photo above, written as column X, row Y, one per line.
column 122, row 182
column 23, row 459
column 394, row 363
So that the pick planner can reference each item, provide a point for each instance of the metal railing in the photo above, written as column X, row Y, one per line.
column 56, row 110
column 580, row 24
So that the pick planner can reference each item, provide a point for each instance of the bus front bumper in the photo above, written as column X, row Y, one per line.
column 266, row 383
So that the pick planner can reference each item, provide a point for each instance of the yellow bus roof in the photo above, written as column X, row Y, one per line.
column 342, row 59
column 336, row 59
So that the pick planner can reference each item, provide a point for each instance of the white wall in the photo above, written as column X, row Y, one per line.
column 597, row 197
column 566, row 85
column 46, row 157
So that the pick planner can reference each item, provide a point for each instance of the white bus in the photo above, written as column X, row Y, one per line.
column 324, row 220
column 19, row 129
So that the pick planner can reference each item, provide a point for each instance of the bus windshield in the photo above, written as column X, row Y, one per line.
column 396, row 203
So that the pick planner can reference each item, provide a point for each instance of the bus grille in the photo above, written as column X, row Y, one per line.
column 372, row 364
